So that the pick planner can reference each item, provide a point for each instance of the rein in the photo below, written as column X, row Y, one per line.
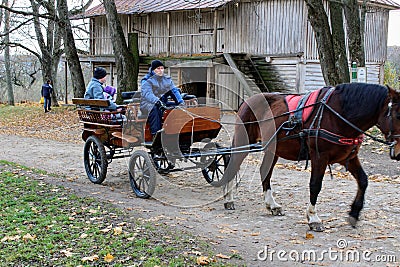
column 358, row 129
column 323, row 104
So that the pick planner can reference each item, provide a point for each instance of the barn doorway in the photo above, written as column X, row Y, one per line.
column 194, row 82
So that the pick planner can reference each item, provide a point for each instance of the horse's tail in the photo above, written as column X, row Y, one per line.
column 245, row 131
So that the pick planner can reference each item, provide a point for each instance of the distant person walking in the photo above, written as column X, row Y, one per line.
column 47, row 91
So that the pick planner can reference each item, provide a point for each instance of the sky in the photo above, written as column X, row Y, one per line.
column 394, row 23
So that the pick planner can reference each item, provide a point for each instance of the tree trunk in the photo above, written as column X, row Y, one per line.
column 133, row 46
column 356, row 40
column 123, row 58
column 46, row 48
column 71, row 54
column 339, row 42
column 320, row 25
column 7, row 60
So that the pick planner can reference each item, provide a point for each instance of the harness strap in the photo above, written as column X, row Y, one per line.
column 326, row 135
column 334, row 138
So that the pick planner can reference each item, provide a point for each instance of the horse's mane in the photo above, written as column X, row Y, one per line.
column 361, row 100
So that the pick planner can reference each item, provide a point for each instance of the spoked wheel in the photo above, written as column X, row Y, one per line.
column 162, row 165
column 95, row 160
column 142, row 174
column 215, row 170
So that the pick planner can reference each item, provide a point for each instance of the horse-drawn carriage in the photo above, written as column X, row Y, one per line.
column 325, row 126
column 110, row 135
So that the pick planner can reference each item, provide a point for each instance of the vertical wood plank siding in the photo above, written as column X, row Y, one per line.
column 274, row 28
column 264, row 27
column 256, row 27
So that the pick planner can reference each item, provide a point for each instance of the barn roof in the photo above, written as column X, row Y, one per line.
column 154, row 6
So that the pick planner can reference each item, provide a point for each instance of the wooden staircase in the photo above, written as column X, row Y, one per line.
column 246, row 71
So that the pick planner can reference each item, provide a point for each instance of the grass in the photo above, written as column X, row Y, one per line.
column 46, row 225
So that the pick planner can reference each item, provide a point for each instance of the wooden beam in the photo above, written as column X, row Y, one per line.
column 215, row 32
column 169, row 34
column 148, row 33
column 238, row 74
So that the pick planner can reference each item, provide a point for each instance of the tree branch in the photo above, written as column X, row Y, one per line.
column 16, row 28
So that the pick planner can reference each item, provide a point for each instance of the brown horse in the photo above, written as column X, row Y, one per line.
column 332, row 133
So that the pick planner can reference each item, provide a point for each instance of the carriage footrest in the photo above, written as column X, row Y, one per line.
column 125, row 137
column 98, row 131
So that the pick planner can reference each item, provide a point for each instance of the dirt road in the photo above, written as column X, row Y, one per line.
column 259, row 238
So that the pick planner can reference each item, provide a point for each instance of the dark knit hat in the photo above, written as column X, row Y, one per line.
column 155, row 64
column 99, row 73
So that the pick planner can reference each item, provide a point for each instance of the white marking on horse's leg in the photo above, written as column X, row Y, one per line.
column 270, row 201
column 312, row 216
column 228, row 195
column 228, row 191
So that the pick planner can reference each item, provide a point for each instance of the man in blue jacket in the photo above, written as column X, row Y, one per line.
column 47, row 91
column 156, row 88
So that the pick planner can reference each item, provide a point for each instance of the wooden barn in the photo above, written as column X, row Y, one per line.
column 228, row 49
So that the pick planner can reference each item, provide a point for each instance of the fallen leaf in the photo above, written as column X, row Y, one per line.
column 309, row 236
column 66, row 252
column 222, row 256
column 10, row 238
column 91, row 258
column 203, row 260
column 28, row 236
column 117, row 230
column 108, row 257
column 83, row 235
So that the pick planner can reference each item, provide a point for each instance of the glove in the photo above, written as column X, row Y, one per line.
column 161, row 105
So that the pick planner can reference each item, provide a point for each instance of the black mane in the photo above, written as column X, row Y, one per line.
column 361, row 100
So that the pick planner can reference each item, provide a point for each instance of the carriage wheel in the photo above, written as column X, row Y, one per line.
column 95, row 160
column 215, row 170
column 162, row 165
column 142, row 174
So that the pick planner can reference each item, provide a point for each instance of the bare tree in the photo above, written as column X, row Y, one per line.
column 57, row 29
column 355, row 30
column 319, row 22
column 126, row 72
column 50, row 47
column 7, row 60
column 330, row 38
column 78, row 82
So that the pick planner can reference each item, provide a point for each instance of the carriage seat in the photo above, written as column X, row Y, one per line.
column 131, row 97
column 186, row 96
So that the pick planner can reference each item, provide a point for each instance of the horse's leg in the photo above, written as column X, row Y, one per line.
column 354, row 167
column 318, row 167
column 266, row 169
column 228, row 195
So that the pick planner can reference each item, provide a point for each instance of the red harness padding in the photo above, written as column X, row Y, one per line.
column 305, row 107
column 352, row 141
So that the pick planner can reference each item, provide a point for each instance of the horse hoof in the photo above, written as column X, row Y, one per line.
column 278, row 211
column 352, row 221
column 229, row 205
column 316, row 227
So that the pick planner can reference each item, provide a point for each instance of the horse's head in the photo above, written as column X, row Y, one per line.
column 389, row 123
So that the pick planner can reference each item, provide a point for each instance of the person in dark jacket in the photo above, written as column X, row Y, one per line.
column 46, row 92
column 156, row 88
column 94, row 89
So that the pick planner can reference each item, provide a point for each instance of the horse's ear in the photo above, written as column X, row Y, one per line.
column 394, row 94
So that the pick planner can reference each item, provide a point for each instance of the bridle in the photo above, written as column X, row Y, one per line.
column 389, row 115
